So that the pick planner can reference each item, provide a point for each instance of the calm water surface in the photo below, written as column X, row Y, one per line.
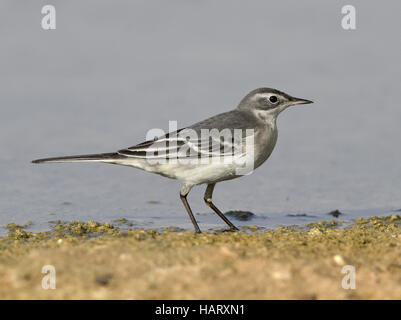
column 110, row 72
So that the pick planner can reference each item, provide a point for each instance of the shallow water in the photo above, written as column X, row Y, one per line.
column 110, row 72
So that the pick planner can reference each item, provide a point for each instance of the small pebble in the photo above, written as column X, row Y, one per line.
column 339, row 260
column 104, row 279
column 281, row 275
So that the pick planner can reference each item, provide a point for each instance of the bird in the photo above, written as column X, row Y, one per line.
column 210, row 151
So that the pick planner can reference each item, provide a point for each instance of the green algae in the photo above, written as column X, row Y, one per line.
column 79, row 228
column 323, row 225
column 121, row 220
column 18, row 234
column 178, row 236
column 172, row 229
column 251, row 228
column 12, row 227
column 154, row 202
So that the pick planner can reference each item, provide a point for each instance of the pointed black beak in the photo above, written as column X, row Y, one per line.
column 295, row 101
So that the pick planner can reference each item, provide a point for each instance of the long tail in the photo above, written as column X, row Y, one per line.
column 101, row 157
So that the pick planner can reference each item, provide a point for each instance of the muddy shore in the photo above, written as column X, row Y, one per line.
column 100, row 261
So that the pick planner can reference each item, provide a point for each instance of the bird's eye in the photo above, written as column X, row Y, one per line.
column 273, row 99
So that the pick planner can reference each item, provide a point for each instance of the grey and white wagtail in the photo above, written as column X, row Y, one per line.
column 220, row 148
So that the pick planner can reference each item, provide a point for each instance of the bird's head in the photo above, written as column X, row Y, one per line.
column 265, row 102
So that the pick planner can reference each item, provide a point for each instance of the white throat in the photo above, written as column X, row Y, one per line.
column 267, row 116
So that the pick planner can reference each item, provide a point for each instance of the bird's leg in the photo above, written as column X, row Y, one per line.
column 208, row 201
column 183, row 195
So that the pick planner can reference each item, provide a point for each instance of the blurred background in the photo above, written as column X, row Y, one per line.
column 112, row 70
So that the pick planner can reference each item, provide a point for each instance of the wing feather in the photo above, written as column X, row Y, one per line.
column 184, row 144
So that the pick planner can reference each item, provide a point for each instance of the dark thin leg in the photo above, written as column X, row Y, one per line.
column 183, row 196
column 208, row 201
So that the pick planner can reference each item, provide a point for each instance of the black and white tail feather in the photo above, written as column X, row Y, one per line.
column 100, row 157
